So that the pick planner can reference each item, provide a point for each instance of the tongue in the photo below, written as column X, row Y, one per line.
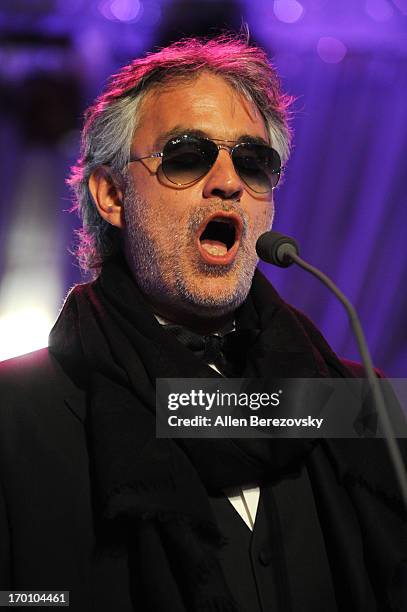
column 214, row 247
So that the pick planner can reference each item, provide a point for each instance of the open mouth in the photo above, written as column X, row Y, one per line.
column 219, row 238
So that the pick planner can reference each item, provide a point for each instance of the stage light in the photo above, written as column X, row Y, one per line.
column 379, row 10
column 331, row 50
column 288, row 11
column 121, row 10
column 24, row 331
column 125, row 10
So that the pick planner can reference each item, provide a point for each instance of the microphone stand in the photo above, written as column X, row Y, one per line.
column 289, row 251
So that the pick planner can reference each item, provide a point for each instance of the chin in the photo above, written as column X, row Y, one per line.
column 211, row 298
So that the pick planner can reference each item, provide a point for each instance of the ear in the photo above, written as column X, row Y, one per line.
column 107, row 197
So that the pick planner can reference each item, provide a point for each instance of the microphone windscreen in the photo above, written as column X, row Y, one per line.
column 275, row 248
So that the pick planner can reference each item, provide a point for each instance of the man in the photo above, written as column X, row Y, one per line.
column 180, row 156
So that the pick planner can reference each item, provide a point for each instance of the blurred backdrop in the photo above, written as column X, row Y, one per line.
column 344, row 194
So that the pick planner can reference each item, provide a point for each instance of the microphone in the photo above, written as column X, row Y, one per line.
column 276, row 248
column 280, row 250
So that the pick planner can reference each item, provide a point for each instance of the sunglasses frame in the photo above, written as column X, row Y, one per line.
column 214, row 141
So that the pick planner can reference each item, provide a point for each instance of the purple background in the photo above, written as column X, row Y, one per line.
column 344, row 192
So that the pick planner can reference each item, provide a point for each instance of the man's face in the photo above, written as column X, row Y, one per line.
column 182, row 271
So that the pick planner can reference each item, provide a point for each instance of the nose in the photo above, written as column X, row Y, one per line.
column 222, row 181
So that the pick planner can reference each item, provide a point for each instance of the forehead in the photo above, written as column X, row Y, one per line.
column 207, row 104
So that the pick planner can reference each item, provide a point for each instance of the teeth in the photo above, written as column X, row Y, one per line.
column 222, row 220
column 215, row 249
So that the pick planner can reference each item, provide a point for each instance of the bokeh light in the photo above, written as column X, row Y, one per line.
column 379, row 10
column 121, row 10
column 125, row 10
column 288, row 11
column 331, row 50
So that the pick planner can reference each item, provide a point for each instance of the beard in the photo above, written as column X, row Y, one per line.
column 161, row 251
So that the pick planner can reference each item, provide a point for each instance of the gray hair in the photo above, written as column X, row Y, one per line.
column 111, row 121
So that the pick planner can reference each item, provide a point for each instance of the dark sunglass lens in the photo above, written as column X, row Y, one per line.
column 187, row 159
column 259, row 166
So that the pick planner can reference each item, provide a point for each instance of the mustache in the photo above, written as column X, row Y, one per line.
column 204, row 211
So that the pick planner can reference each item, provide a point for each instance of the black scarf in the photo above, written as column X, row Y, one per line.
column 151, row 494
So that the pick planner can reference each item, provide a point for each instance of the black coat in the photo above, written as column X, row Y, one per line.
column 46, row 525
column 48, row 538
column 47, row 531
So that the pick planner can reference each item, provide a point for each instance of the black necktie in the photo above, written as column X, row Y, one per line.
column 228, row 352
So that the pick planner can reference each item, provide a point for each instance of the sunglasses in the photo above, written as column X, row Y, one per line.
column 187, row 158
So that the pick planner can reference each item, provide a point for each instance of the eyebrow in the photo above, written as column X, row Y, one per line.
column 180, row 130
